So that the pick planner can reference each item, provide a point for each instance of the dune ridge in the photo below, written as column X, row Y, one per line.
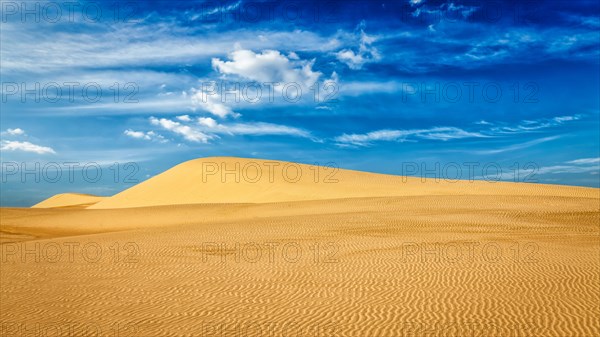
column 243, row 180
column 72, row 200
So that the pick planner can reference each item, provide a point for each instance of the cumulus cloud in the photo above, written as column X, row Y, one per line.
column 184, row 118
column 25, row 147
column 249, row 78
column 136, row 134
column 207, row 121
column 268, row 66
column 149, row 135
column 15, row 132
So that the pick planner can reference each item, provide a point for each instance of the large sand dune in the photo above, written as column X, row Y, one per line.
column 239, row 180
column 370, row 255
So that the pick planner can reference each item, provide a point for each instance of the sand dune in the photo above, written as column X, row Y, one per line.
column 305, row 259
column 72, row 200
column 240, row 180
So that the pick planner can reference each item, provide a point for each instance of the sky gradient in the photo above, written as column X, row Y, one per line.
column 368, row 85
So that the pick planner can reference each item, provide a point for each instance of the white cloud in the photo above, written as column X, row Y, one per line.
column 211, row 102
column 136, row 134
column 25, row 147
column 207, row 128
column 185, row 131
column 150, row 135
column 437, row 133
column 356, row 88
column 144, row 43
column 266, row 75
column 15, row 132
column 268, row 66
column 585, row 161
column 566, row 169
column 583, row 166
column 255, row 129
column 563, row 119
column 365, row 53
column 184, row 118
column 533, row 125
column 520, row 146
column 207, row 121
column 365, row 139
column 448, row 133
column 218, row 10
column 449, row 10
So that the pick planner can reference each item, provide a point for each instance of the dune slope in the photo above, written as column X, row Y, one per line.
column 240, row 180
column 72, row 200
column 389, row 267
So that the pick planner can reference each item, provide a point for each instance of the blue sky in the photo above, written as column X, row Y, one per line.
column 450, row 82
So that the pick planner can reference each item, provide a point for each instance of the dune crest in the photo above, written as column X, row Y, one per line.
column 242, row 180
column 71, row 200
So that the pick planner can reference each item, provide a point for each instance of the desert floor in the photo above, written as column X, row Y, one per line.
column 391, row 266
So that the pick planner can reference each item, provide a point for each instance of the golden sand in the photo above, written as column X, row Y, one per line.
column 193, row 253
column 73, row 200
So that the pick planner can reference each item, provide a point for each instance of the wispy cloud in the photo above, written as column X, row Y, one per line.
column 219, row 10
column 8, row 145
column 449, row 133
column 155, row 43
column 189, row 133
column 585, row 161
column 251, row 128
column 519, row 146
column 356, row 58
column 205, row 129
column 556, row 169
column 537, row 173
column 437, row 133
column 533, row 125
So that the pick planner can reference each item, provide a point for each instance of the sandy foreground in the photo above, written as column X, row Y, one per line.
column 192, row 252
